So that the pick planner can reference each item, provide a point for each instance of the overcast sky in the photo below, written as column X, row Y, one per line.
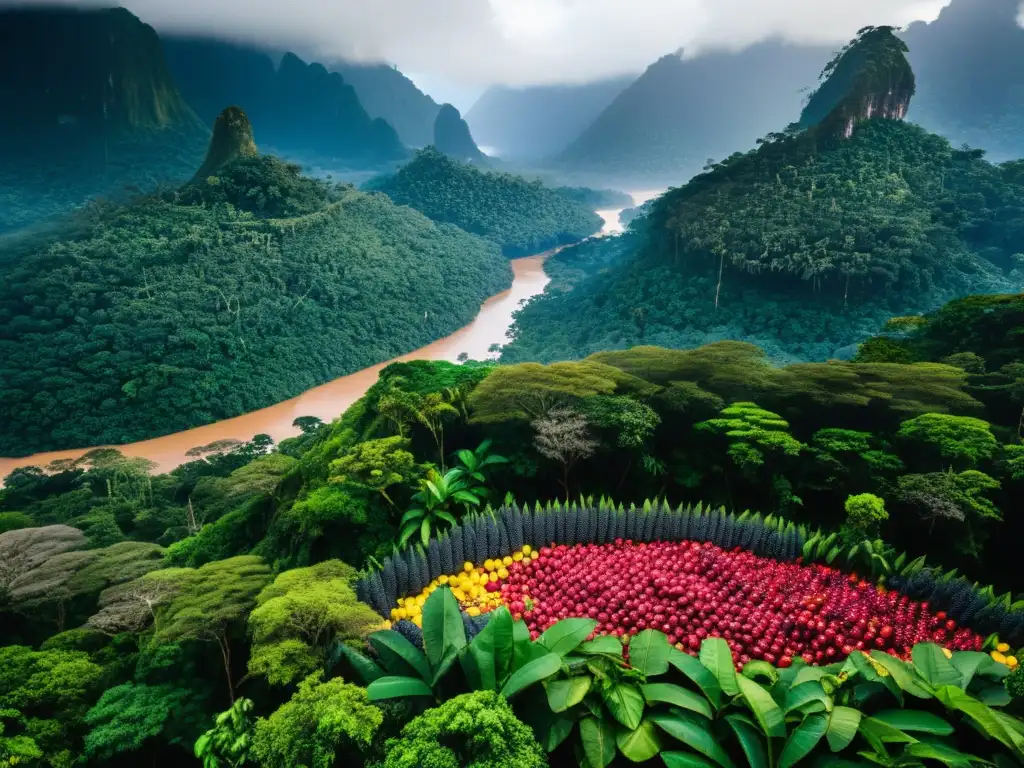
column 468, row 44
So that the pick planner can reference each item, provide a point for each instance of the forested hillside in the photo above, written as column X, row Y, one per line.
column 102, row 117
column 138, row 608
column 235, row 292
column 521, row 216
column 803, row 246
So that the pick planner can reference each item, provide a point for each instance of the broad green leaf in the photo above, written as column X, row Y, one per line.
column 915, row 720
column 685, row 760
column 881, row 732
column 524, row 649
column 444, row 634
column 903, row 674
column 768, row 714
column 755, row 669
column 698, row 674
column 716, row 655
column 967, row 664
column 639, row 744
column 399, row 656
column 869, row 673
column 396, row 688
column 941, row 752
column 751, row 740
column 626, row 703
column 986, row 718
column 605, row 644
column 364, row 666
column 491, row 651
column 695, row 732
column 678, row 696
column 843, row 723
column 597, row 734
column 648, row 652
column 800, row 696
column 993, row 694
column 808, row 673
column 932, row 664
column 565, row 636
column 563, row 694
column 803, row 740
column 532, row 673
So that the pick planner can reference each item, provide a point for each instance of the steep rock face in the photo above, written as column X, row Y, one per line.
column 72, row 80
column 540, row 121
column 302, row 109
column 388, row 94
column 664, row 127
column 968, row 64
column 869, row 78
column 452, row 136
column 232, row 138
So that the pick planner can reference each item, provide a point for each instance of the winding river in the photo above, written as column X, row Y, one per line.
column 329, row 400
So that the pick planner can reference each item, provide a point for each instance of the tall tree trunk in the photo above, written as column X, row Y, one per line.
column 225, row 654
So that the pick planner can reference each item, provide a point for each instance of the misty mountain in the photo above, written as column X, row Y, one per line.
column 681, row 112
column 388, row 94
column 540, row 121
column 969, row 63
column 452, row 137
column 302, row 110
column 89, row 108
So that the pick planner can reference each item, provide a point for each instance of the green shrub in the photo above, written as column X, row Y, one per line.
column 865, row 512
column 475, row 730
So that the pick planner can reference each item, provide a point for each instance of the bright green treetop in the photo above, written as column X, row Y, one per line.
column 961, row 440
column 475, row 730
column 320, row 724
column 753, row 434
column 300, row 615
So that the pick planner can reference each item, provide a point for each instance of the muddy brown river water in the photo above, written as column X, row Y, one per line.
column 329, row 400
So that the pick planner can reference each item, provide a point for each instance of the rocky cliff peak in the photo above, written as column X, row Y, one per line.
column 452, row 136
column 232, row 138
column 869, row 78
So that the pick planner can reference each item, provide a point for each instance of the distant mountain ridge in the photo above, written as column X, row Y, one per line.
column 300, row 108
column 453, row 138
column 388, row 94
column 538, row 122
column 681, row 112
column 968, row 64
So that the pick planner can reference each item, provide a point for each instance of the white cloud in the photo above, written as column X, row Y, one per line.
column 520, row 42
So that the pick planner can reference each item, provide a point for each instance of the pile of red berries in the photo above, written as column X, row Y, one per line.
column 764, row 609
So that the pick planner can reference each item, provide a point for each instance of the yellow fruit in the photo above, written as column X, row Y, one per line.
column 534, row 555
column 490, row 565
column 502, row 573
column 418, row 621
column 467, row 566
column 527, row 549
column 506, row 561
column 473, row 610
column 517, row 557
column 420, row 600
column 997, row 656
column 443, row 579
column 947, row 653
column 492, row 578
column 387, row 625
column 1011, row 662
column 1003, row 647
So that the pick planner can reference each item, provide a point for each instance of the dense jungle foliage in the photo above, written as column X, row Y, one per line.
column 522, row 217
column 228, row 295
column 241, row 554
column 800, row 247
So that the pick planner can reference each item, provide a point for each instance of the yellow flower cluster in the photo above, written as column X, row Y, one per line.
column 469, row 587
column 1000, row 655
